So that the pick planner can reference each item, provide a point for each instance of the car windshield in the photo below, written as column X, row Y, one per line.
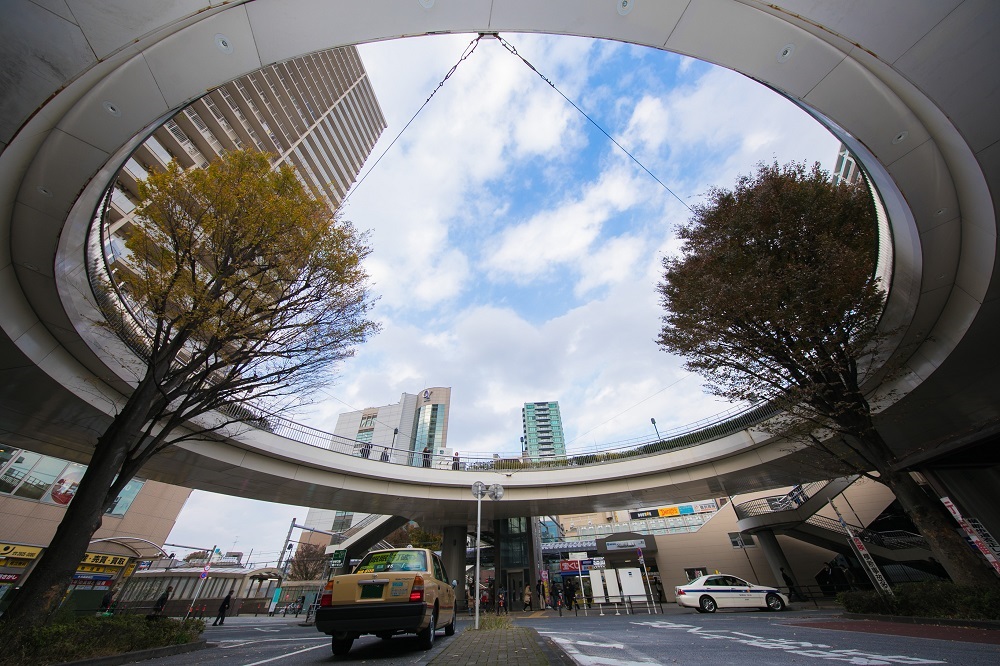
column 393, row 560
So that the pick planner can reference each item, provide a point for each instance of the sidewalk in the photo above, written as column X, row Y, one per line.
column 520, row 646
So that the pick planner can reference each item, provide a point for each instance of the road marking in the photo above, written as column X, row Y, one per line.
column 802, row 648
column 583, row 659
column 271, row 631
column 290, row 654
column 237, row 642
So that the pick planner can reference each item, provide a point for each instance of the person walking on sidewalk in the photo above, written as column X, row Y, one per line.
column 527, row 598
column 223, row 607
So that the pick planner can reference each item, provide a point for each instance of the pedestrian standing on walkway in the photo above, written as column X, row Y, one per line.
column 223, row 607
column 793, row 591
column 162, row 601
column 455, row 463
column 427, row 456
column 527, row 598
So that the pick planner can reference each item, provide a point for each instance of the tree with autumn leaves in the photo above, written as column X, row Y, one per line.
column 241, row 291
column 775, row 297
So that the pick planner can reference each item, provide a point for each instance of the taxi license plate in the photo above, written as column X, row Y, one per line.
column 371, row 591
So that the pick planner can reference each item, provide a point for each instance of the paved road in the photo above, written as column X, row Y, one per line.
column 628, row 640
column 747, row 638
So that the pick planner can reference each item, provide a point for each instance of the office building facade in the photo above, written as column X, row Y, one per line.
column 542, row 432
column 398, row 433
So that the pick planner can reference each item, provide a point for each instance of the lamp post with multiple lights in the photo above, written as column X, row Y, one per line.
column 478, row 490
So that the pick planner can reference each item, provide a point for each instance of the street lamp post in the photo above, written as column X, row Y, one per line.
column 658, row 438
column 478, row 490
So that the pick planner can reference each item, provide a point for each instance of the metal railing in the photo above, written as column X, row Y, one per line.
column 128, row 324
column 777, row 503
column 891, row 540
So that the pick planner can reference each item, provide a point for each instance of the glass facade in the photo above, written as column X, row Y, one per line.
column 51, row 480
column 429, row 430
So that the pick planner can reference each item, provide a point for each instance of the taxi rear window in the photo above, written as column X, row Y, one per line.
column 395, row 560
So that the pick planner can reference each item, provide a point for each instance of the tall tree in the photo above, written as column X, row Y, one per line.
column 240, row 289
column 775, row 297
column 309, row 562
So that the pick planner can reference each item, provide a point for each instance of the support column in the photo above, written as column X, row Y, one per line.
column 775, row 557
column 776, row 560
column 453, row 556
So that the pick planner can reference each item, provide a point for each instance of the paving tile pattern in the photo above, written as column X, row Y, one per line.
column 520, row 646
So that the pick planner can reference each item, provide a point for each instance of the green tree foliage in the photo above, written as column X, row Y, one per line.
column 411, row 534
column 309, row 562
column 774, row 297
column 245, row 290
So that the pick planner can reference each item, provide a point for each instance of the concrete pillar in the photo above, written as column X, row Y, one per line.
column 453, row 556
column 775, row 557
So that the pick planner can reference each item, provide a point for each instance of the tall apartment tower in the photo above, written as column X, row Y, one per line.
column 542, row 431
column 396, row 433
column 846, row 169
column 317, row 113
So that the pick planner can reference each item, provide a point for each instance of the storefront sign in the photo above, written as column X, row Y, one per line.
column 109, row 560
column 22, row 552
column 93, row 568
column 708, row 506
column 9, row 577
column 597, row 563
column 16, row 564
column 625, row 545
column 568, row 566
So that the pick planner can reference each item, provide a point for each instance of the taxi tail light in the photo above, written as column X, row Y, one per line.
column 326, row 599
column 417, row 591
column 679, row 592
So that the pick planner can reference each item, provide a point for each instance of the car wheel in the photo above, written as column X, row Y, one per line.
column 707, row 604
column 774, row 602
column 342, row 646
column 427, row 635
column 449, row 629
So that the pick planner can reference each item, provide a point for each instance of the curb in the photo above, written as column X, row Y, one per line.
column 553, row 651
column 909, row 619
column 141, row 655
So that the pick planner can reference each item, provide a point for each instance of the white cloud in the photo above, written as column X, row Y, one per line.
column 500, row 194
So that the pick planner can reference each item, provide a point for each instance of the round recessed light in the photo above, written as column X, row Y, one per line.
column 426, row 4
column 44, row 191
column 786, row 52
column 112, row 109
column 625, row 6
column 900, row 138
column 941, row 211
column 223, row 43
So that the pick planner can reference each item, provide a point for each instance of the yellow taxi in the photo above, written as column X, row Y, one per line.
column 397, row 591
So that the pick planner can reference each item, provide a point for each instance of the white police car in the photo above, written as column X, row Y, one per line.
column 706, row 594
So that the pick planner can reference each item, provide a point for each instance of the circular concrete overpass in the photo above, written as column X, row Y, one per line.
column 911, row 86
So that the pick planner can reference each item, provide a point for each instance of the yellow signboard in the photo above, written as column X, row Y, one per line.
column 22, row 552
column 14, row 563
column 93, row 568
column 109, row 560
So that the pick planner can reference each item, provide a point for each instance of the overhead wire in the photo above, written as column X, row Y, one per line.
column 510, row 47
column 465, row 55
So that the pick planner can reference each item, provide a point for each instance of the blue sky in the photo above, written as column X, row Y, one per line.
column 517, row 250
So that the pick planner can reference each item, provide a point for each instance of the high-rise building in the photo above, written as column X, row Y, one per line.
column 846, row 169
column 317, row 113
column 542, row 436
column 396, row 433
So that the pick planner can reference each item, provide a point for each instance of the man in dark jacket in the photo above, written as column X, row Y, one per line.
column 223, row 607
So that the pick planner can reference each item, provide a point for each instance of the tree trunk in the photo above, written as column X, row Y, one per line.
column 46, row 586
column 964, row 565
